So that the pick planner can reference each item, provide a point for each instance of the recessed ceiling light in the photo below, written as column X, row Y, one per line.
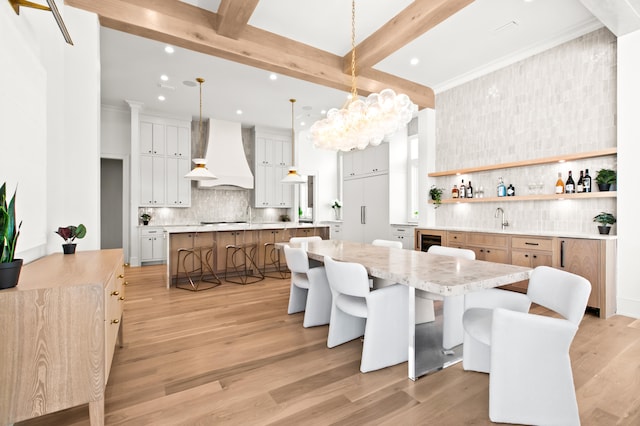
column 169, row 49
column 273, row 76
column 302, row 123
column 164, row 77
column 161, row 98
column 414, row 61
column 239, row 112
column 323, row 112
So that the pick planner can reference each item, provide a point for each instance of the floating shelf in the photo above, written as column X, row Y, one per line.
column 547, row 160
column 533, row 197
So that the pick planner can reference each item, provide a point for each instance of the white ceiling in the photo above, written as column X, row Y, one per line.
column 464, row 46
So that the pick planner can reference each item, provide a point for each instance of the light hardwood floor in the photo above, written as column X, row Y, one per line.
column 232, row 356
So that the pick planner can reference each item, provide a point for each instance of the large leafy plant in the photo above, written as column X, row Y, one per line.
column 9, row 232
column 70, row 233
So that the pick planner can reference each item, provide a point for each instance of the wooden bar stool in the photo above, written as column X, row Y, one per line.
column 241, row 260
column 273, row 260
column 200, row 266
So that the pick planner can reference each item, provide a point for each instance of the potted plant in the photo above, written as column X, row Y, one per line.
column 69, row 234
column 436, row 195
column 336, row 205
column 9, row 266
column 146, row 217
column 605, row 220
column 605, row 178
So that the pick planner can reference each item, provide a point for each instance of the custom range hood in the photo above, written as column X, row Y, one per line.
column 225, row 156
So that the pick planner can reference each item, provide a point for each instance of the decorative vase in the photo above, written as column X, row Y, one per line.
column 336, row 211
column 69, row 248
column 604, row 230
column 10, row 273
column 145, row 222
column 604, row 186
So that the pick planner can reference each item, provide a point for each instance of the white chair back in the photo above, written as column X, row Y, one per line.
column 347, row 278
column 560, row 291
column 387, row 243
column 305, row 239
column 297, row 260
column 453, row 251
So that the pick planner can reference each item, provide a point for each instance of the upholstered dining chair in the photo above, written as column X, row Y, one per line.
column 452, row 306
column 527, row 355
column 305, row 239
column 379, row 315
column 309, row 290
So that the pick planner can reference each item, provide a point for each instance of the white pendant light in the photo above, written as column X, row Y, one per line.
column 293, row 176
column 200, row 171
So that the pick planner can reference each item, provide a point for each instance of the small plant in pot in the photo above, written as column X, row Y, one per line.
column 69, row 234
column 146, row 217
column 605, row 220
column 436, row 195
column 9, row 266
column 605, row 178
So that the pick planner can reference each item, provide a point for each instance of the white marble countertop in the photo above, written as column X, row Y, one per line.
column 594, row 236
column 446, row 275
column 239, row 226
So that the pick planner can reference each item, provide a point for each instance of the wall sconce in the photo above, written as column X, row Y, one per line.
column 52, row 8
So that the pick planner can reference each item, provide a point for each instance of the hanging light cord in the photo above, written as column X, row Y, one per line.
column 354, row 90
column 293, row 135
column 200, row 80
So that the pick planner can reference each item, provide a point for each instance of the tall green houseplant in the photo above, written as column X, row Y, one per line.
column 8, row 229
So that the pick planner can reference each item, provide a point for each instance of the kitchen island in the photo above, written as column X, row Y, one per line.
column 220, row 235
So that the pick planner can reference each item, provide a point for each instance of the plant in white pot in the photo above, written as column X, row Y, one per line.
column 9, row 266
column 69, row 234
column 605, row 220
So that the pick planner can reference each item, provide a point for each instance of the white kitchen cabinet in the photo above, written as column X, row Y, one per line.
column 178, row 188
column 366, row 209
column 152, row 180
column 404, row 234
column 335, row 230
column 367, row 162
column 178, row 141
column 273, row 150
column 152, row 244
column 152, row 138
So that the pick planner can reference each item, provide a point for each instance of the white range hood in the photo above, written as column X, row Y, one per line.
column 225, row 156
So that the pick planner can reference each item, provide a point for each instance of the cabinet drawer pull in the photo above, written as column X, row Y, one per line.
column 531, row 244
column 121, row 298
column 115, row 321
column 126, row 283
column 121, row 276
column 115, row 293
column 526, row 255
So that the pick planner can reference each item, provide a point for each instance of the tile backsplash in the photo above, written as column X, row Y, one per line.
column 560, row 101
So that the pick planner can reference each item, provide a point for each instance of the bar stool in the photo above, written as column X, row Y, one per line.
column 272, row 259
column 243, row 264
column 200, row 265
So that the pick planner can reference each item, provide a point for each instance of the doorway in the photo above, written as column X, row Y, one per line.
column 111, row 203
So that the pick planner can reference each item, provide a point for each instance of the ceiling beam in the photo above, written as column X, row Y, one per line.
column 233, row 16
column 415, row 20
column 186, row 26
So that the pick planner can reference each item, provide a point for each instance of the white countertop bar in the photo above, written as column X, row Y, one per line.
column 594, row 236
column 175, row 229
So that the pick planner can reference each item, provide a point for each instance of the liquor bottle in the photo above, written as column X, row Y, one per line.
column 463, row 190
column 469, row 190
column 454, row 192
column 559, row 184
column 570, row 186
column 580, row 184
column 586, row 181
column 511, row 191
column 502, row 190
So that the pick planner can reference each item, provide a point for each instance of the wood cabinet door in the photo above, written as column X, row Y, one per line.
column 582, row 257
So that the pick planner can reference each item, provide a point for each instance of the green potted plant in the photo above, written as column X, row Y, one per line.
column 9, row 266
column 436, row 195
column 605, row 178
column 605, row 220
column 69, row 234
column 146, row 217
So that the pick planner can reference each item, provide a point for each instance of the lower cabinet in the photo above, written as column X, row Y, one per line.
column 152, row 245
column 489, row 247
column 404, row 234
column 531, row 252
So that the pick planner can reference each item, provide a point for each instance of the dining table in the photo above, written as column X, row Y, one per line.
column 443, row 275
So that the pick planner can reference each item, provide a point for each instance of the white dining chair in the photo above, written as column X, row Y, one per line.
column 305, row 239
column 379, row 315
column 452, row 306
column 527, row 355
column 309, row 290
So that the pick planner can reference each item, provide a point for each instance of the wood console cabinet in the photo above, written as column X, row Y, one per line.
column 58, row 334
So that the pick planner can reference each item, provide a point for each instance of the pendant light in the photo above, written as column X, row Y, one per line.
column 293, row 176
column 200, row 171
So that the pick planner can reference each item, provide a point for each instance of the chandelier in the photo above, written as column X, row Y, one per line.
column 361, row 122
column 200, row 171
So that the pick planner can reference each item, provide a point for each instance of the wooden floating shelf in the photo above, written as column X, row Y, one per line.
column 547, row 160
column 534, row 197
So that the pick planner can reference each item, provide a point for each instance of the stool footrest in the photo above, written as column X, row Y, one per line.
column 207, row 278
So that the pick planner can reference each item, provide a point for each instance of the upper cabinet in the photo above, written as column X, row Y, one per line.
column 367, row 162
column 273, row 150
column 165, row 156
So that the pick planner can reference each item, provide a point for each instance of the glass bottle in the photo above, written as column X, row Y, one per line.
column 469, row 190
column 511, row 191
column 502, row 190
column 580, row 184
column 586, row 181
column 454, row 192
column 463, row 190
column 570, row 185
column 559, row 184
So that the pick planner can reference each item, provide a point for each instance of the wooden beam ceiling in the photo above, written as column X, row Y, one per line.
column 226, row 34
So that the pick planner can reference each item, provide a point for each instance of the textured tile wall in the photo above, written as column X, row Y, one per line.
column 560, row 101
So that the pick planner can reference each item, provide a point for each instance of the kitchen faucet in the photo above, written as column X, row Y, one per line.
column 504, row 222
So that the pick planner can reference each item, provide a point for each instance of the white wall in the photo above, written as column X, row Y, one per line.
column 49, row 112
column 115, row 131
column 628, row 155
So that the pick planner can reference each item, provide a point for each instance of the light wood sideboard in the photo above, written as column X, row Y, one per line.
column 59, row 330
